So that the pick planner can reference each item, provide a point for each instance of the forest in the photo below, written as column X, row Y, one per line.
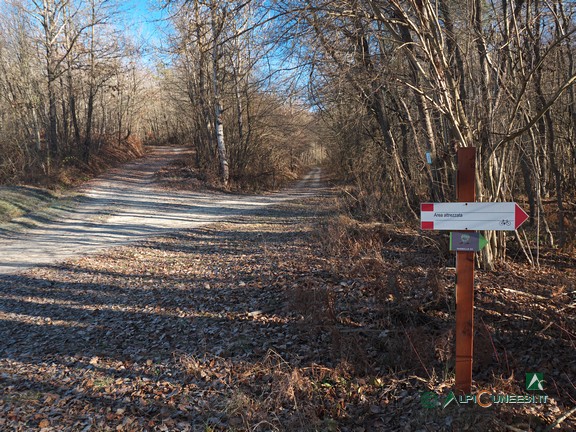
column 386, row 90
column 380, row 94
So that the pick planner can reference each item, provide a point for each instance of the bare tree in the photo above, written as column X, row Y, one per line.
column 59, row 58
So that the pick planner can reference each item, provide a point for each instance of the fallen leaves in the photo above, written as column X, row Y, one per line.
column 251, row 323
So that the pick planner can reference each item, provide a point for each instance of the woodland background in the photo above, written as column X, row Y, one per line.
column 262, row 89
column 321, row 313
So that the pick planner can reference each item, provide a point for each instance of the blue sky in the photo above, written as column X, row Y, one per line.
column 148, row 24
column 145, row 20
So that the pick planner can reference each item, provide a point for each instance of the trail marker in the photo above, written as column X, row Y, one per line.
column 467, row 241
column 485, row 216
column 464, row 217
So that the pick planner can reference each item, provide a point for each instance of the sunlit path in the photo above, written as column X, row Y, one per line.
column 125, row 205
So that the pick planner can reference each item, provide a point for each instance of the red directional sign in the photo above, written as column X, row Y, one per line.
column 472, row 216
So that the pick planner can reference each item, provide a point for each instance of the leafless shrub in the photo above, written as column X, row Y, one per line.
column 314, row 301
column 344, row 236
column 444, row 346
column 436, row 285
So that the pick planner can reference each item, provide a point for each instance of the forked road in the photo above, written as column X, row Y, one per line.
column 126, row 205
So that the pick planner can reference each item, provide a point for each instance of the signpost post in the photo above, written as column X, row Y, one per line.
column 466, row 216
column 465, row 191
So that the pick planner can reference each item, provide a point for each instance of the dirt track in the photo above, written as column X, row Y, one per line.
column 123, row 206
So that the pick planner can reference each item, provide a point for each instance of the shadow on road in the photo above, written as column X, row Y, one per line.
column 124, row 206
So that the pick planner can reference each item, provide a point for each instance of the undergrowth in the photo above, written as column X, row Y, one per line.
column 391, row 317
column 70, row 169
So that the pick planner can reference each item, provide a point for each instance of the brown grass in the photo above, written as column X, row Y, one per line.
column 395, row 313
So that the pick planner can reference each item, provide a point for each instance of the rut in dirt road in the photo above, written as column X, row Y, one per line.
column 125, row 205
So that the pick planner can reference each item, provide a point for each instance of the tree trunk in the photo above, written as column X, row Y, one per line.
column 218, row 110
column 52, row 110
column 87, row 145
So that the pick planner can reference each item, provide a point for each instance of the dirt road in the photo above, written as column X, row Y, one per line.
column 126, row 205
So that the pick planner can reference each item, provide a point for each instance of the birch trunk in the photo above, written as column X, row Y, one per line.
column 218, row 109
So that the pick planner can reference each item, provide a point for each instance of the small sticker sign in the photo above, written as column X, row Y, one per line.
column 467, row 241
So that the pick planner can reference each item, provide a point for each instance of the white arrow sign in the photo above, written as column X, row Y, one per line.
column 471, row 216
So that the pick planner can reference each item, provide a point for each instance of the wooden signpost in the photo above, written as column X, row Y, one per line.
column 466, row 216
column 465, row 192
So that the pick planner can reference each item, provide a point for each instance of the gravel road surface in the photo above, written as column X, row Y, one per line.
column 126, row 205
